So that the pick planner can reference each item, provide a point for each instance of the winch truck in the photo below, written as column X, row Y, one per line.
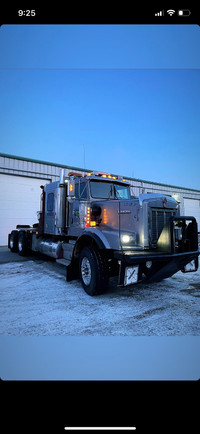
column 94, row 226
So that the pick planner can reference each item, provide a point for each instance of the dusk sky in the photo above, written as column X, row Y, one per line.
column 120, row 99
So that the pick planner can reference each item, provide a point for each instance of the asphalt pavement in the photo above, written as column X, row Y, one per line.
column 7, row 256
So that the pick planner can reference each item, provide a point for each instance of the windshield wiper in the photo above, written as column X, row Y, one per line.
column 116, row 193
column 110, row 192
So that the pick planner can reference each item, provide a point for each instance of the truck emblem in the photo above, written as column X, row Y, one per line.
column 124, row 211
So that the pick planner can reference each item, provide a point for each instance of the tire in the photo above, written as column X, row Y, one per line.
column 14, row 241
column 93, row 271
column 22, row 244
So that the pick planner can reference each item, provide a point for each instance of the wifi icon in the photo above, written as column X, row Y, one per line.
column 171, row 12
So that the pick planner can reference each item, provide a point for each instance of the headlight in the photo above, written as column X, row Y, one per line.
column 128, row 239
column 125, row 238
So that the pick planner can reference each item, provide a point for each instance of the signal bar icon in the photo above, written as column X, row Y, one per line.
column 159, row 14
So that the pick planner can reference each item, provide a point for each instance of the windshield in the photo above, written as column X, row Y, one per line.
column 109, row 190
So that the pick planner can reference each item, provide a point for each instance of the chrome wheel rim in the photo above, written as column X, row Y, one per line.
column 86, row 271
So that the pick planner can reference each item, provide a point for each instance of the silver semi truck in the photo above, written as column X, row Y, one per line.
column 96, row 228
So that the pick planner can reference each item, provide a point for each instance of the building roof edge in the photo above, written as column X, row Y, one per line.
column 64, row 166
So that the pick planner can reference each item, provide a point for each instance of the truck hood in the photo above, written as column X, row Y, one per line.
column 133, row 217
column 159, row 199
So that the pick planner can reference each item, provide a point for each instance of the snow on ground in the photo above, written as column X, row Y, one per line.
column 36, row 300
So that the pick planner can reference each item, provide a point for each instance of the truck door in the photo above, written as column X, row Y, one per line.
column 74, row 207
column 49, row 219
column 80, row 195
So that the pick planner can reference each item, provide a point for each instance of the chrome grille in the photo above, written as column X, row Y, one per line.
column 159, row 219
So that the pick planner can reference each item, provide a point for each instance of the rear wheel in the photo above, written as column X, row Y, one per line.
column 14, row 241
column 93, row 271
column 22, row 244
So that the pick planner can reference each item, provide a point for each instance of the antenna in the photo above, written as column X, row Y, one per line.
column 83, row 156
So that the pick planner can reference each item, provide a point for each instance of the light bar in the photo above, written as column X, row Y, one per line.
column 105, row 176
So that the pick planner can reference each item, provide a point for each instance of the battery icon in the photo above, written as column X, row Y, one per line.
column 184, row 13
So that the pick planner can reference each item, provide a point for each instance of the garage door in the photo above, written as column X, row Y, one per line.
column 20, row 201
column 192, row 208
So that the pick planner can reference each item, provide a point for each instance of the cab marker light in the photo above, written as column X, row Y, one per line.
column 105, row 216
column 87, row 224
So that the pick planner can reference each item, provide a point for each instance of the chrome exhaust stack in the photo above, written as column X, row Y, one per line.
column 61, row 203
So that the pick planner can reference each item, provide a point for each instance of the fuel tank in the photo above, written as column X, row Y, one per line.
column 50, row 248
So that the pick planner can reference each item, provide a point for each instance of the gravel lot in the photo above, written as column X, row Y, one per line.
column 36, row 300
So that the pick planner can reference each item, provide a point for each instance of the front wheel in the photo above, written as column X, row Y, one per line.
column 93, row 271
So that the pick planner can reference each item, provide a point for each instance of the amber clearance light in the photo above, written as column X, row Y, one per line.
column 89, row 222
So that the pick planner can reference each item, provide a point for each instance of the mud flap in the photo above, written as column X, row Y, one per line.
column 191, row 266
column 9, row 241
column 72, row 271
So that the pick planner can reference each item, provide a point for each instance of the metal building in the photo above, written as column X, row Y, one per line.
column 20, row 180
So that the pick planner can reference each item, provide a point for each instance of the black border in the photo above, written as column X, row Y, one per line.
column 49, row 406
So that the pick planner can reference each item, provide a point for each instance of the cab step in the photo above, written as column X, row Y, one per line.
column 68, row 250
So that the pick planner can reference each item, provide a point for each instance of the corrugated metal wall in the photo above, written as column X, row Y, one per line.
column 12, row 165
column 15, row 166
